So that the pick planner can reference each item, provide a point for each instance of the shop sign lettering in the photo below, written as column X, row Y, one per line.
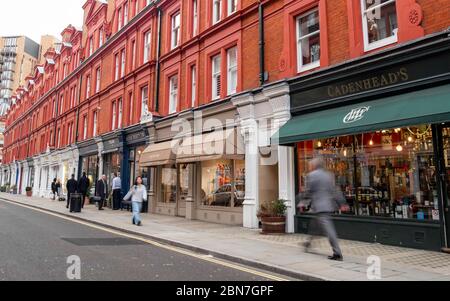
column 367, row 84
column 356, row 114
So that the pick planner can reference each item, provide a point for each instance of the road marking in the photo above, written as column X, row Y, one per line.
column 208, row 258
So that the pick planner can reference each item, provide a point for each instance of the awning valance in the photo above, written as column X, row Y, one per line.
column 160, row 154
column 221, row 144
column 426, row 106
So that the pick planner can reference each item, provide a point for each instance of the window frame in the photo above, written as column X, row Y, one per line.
column 231, row 69
column 365, row 31
column 214, row 76
column 173, row 94
column 300, row 66
column 175, row 30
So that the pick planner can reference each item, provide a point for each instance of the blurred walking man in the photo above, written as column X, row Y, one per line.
column 325, row 197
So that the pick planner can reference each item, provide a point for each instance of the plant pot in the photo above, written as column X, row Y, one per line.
column 29, row 193
column 273, row 225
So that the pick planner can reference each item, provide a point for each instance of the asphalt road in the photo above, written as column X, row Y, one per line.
column 36, row 246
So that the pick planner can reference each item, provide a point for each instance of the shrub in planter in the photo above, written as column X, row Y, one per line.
column 273, row 217
column 3, row 188
column 29, row 191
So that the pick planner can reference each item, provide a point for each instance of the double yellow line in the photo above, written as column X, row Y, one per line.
column 157, row 244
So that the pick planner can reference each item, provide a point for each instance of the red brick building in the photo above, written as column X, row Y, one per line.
column 114, row 87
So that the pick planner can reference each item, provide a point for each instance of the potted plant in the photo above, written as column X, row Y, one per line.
column 29, row 191
column 3, row 188
column 273, row 217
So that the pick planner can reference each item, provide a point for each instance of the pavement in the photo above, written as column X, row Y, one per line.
column 281, row 254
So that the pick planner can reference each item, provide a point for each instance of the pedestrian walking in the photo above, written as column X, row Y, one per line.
column 101, row 191
column 138, row 195
column 54, row 188
column 72, row 187
column 117, row 192
column 325, row 198
column 83, row 187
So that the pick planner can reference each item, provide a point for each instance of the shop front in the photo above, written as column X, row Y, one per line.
column 195, row 171
column 89, row 162
column 112, row 155
column 200, row 177
column 384, row 134
column 136, row 140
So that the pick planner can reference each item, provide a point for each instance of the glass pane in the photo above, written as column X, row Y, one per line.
column 216, row 183
column 374, row 3
column 239, row 183
column 169, row 184
column 308, row 24
column 310, row 49
column 446, row 143
column 381, row 23
column 388, row 173
column 184, row 180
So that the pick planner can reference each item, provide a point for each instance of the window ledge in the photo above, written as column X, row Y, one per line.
column 380, row 43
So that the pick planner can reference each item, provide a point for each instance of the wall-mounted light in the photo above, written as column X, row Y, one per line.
column 319, row 144
column 399, row 148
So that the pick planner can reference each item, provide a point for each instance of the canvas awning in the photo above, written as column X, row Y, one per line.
column 160, row 154
column 426, row 106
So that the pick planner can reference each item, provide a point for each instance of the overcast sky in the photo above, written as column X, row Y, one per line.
column 34, row 18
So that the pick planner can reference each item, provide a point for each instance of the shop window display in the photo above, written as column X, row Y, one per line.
column 387, row 173
column 184, row 180
column 223, row 183
column 169, row 184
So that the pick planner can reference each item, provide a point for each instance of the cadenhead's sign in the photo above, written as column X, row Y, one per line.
column 359, row 81
column 367, row 84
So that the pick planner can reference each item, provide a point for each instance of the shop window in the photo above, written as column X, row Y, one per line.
column 379, row 23
column 386, row 173
column 308, row 41
column 223, row 183
column 169, row 184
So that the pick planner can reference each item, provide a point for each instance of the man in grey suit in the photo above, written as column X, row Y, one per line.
column 325, row 197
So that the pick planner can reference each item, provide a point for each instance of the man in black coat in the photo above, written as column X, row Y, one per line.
column 72, row 187
column 101, row 190
column 83, row 187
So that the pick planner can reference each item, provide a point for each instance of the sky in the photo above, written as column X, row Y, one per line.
column 34, row 18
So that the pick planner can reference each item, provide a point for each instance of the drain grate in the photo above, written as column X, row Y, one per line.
column 83, row 242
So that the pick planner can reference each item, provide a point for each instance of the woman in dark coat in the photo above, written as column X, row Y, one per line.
column 54, row 188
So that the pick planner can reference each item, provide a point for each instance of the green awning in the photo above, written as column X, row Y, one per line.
column 425, row 106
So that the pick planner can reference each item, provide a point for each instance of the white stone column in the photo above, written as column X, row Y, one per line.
column 249, row 129
column 286, row 181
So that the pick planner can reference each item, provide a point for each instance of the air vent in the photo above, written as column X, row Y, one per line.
column 419, row 237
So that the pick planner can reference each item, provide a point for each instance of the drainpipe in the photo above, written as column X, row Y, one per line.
column 263, row 76
column 158, row 55
column 78, row 108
